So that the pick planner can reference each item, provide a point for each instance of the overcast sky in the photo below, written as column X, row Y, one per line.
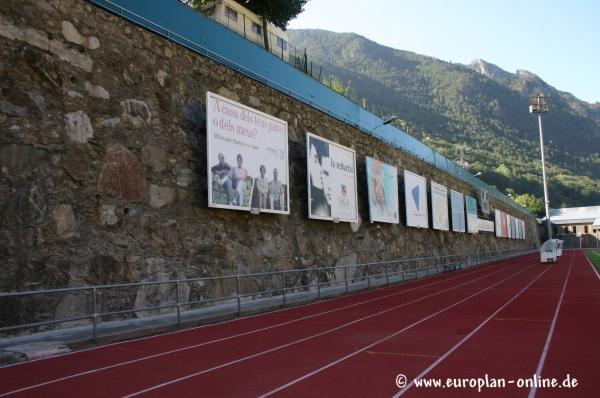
column 557, row 40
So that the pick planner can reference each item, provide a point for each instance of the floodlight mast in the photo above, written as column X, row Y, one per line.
column 539, row 105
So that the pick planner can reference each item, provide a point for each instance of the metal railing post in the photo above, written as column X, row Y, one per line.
column 368, row 277
column 237, row 291
column 95, row 313
column 318, row 285
column 178, row 304
column 387, row 274
column 283, row 285
column 346, row 277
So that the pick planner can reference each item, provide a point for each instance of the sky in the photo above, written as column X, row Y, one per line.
column 558, row 40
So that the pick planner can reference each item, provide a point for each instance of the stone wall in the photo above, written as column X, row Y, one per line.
column 103, row 164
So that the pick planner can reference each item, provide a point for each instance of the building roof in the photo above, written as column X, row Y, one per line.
column 575, row 215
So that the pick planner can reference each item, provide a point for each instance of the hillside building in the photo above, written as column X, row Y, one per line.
column 239, row 19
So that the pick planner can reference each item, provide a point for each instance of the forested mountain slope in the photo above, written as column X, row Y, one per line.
column 478, row 111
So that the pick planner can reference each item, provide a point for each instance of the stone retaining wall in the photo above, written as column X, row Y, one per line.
column 103, row 165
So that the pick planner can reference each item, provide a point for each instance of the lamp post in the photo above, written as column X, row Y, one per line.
column 386, row 122
column 539, row 105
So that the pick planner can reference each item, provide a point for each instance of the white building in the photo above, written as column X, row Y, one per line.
column 244, row 22
column 576, row 220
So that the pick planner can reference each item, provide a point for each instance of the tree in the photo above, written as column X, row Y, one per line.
column 531, row 202
column 278, row 12
column 195, row 3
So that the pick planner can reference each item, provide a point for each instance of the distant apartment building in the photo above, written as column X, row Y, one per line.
column 244, row 22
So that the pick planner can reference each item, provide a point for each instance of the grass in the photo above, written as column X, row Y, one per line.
column 594, row 256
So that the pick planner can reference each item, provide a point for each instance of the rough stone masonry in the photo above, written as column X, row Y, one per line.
column 103, row 168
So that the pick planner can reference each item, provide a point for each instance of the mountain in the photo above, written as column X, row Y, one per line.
column 476, row 112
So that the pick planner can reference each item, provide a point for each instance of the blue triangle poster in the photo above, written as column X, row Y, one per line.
column 415, row 194
column 415, row 200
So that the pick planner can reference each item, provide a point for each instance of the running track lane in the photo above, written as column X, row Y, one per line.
column 508, row 345
column 371, row 369
column 41, row 371
column 575, row 345
column 302, row 356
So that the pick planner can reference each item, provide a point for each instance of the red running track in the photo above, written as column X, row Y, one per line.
column 510, row 320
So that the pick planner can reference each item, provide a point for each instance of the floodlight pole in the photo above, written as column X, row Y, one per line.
column 539, row 105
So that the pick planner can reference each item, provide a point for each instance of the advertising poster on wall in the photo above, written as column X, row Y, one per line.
column 504, row 220
column 472, row 223
column 484, row 200
column 521, row 235
column 382, row 181
column 523, row 230
column 517, row 228
column 415, row 198
column 331, row 180
column 498, row 222
column 247, row 156
column 457, row 203
column 485, row 225
column 511, row 227
column 439, row 207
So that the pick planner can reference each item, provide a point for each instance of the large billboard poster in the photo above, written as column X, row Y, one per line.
column 521, row 234
column 439, row 206
column 504, row 220
column 472, row 223
column 484, row 200
column 457, row 203
column 382, row 181
column 520, row 229
column 247, row 155
column 415, row 198
column 485, row 225
column 331, row 180
column 498, row 221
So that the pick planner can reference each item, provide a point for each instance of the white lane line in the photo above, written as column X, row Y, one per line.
column 540, row 367
column 240, row 319
column 467, row 337
column 108, row 367
column 592, row 265
column 311, row 336
column 354, row 353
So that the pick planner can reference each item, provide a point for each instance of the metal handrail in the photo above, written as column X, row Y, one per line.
column 400, row 269
column 209, row 278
